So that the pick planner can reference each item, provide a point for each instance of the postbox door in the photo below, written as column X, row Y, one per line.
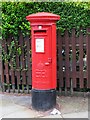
column 42, row 59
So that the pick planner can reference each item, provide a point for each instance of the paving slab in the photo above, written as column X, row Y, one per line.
column 76, row 115
column 16, row 107
column 72, row 104
column 22, row 113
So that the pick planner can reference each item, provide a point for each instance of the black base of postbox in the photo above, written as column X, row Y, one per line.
column 43, row 99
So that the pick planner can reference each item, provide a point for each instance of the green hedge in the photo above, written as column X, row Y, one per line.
column 73, row 15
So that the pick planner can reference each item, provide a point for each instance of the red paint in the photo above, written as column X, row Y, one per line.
column 43, row 29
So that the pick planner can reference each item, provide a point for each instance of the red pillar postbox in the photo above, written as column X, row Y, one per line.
column 43, row 31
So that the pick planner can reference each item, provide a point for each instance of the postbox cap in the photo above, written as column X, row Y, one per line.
column 41, row 16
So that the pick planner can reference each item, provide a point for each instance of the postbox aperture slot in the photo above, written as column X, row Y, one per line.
column 39, row 45
column 39, row 31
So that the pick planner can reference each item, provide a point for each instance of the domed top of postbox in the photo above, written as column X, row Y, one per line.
column 42, row 16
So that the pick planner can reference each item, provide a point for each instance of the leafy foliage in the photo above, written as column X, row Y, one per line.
column 10, row 56
column 73, row 15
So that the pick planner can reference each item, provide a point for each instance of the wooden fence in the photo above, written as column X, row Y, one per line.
column 73, row 61
column 73, row 64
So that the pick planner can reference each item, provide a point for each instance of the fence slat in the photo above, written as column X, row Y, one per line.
column 28, row 43
column 22, row 59
column 81, row 59
column 7, row 68
column 60, row 62
column 17, row 71
column 88, row 57
column 0, row 62
column 11, row 70
column 6, row 64
column 2, row 72
column 2, row 78
column 67, row 59
column 73, row 58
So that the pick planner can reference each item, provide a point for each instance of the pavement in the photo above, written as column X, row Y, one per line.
column 15, row 105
